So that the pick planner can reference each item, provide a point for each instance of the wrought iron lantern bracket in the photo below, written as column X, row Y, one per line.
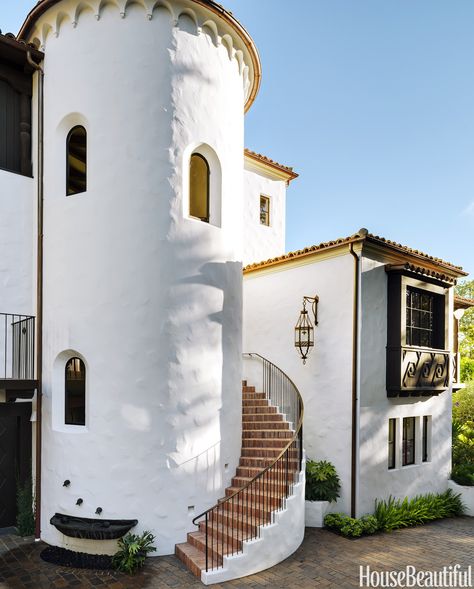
column 304, row 328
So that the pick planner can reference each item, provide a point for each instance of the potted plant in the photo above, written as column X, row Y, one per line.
column 322, row 488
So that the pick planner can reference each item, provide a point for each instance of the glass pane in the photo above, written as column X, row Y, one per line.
column 408, row 445
column 391, row 443
column 76, row 161
column 420, row 318
column 264, row 210
column 75, row 392
column 199, row 188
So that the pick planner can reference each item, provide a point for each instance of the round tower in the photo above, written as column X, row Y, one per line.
column 143, row 183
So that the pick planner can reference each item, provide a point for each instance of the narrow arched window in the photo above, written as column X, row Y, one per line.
column 199, row 188
column 75, row 392
column 76, row 152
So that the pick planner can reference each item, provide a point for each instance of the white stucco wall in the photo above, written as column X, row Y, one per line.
column 272, row 303
column 17, row 264
column 376, row 480
column 262, row 242
column 149, row 298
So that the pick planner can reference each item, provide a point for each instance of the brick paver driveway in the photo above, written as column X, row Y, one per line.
column 324, row 560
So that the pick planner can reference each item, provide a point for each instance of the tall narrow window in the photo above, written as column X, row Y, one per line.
column 199, row 188
column 392, row 442
column 426, row 421
column 76, row 150
column 264, row 210
column 75, row 392
column 408, row 442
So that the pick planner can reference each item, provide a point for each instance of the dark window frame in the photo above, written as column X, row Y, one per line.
column 413, row 370
column 75, row 392
column 408, row 444
column 70, row 190
column 392, row 443
column 206, row 218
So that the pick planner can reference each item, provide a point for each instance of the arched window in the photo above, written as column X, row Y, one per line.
column 75, row 392
column 199, row 187
column 76, row 152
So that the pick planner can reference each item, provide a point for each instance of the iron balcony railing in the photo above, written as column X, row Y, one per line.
column 241, row 516
column 17, row 347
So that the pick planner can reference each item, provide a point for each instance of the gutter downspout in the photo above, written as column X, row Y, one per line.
column 39, row 293
column 355, row 379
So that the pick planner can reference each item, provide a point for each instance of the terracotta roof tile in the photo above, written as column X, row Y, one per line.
column 266, row 160
column 361, row 236
column 463, row 303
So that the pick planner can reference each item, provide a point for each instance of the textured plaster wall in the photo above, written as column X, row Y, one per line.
column 272, row 303
column 17, row 265
column 149, row 298
column 260, row 241
column 376, row 481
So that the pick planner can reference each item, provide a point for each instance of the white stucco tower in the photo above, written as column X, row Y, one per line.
column 146, row 296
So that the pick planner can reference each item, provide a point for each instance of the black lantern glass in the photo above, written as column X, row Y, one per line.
column 304, row 329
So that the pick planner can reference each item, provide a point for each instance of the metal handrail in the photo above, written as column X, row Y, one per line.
column 283, row 472
column 17, row 346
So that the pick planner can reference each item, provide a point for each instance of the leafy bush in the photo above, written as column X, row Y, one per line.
column 133, row 551
column 463, row 443
column 396, row 513
column 463, row 474
column 370, row 524
column 463, row 404
column 467, row 369
column 25, row 519
column 349, row 526
column 322, row 481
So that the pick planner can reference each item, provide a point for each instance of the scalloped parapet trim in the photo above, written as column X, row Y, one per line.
column 218, row 25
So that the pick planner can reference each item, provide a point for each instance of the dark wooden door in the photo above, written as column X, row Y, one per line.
column 15, row 456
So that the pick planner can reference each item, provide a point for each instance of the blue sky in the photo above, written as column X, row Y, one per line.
column 372, row 102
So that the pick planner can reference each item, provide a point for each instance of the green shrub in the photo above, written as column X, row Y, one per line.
column 370, row 524
column 463, row 404
column 396, row 513
column 25, row 519
column 463, row 443
column 322, row 481
column 467, row 369
column 463, row 474
column 133, row 551
column 349, row 526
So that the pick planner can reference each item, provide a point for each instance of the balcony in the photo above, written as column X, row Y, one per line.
column 17, row 357
column 417, row 372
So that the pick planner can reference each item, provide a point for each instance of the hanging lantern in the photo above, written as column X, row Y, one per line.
column 304, row 329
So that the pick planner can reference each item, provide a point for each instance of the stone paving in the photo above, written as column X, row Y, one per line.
column 324, row 560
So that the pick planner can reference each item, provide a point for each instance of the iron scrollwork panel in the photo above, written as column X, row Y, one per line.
column 425, row 370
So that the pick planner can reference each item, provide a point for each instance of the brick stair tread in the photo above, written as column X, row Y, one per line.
column 265, row 435
column 272, row 494
column 217, row 548
column 274, row 451
column 230, row 531
column 243, row 480
column 187, row 552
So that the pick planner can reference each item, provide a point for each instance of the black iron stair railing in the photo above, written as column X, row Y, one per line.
column 241, row 515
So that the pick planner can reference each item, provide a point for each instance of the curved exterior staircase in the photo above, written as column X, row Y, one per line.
column 260, row 521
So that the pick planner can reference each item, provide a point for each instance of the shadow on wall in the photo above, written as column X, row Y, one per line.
column 226, row 277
